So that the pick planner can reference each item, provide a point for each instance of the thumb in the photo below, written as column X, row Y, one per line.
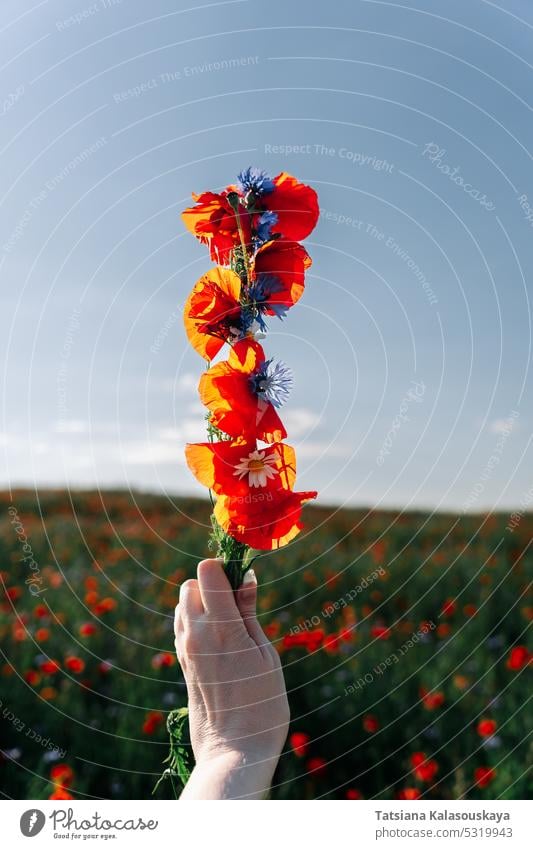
column 246, row 599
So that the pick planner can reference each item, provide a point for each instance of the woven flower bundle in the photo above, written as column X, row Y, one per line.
column 253, row 231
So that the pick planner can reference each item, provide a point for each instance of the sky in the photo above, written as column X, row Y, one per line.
column 411, row 346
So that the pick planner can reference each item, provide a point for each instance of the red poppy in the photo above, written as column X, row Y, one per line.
column 153, row 720
column 331, row 643
column 219, row 309
column 239, row 393
column 449, row 607
column 233, row 468
column 316, row 765
column 486, row 727
column 311, row 640
column 484, row 775
column 263, row 521
column 88, row 629
column 61, row 795
column 409, row 793
column 370, row 723
column 432, row 700
column 213, row 221
column 212, row 313
column 50, row 667
column 296, row 207
column 62, row 775
column 423, row 768
column 299, row 743
column 380, row 632
column 163, row 659
column 32, row 677
column 286, row 261
column 74, row 664
column 105, row 606
column 519, row 657
column 352, row 793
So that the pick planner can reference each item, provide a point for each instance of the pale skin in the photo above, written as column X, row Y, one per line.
column 238, row 708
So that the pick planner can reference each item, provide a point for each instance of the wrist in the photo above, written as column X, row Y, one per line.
column 230, row 773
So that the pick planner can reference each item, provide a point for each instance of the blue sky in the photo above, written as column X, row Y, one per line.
column 411, row 347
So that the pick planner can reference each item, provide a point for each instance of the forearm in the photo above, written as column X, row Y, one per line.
column 231, row 775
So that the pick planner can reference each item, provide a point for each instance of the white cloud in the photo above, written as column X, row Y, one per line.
column 300, row 421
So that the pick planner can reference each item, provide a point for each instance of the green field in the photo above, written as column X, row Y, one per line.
column 399, row 635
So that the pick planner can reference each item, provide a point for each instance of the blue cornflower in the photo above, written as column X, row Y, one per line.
column 260, row 292
column 272, row 382
column 255, row 180
column 265, row 224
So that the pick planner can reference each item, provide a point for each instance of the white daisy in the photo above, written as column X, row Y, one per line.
column 258, row 466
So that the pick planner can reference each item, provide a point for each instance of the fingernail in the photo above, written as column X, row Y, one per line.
column 249, row 577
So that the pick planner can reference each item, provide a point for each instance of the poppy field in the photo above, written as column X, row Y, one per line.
column 403, row 637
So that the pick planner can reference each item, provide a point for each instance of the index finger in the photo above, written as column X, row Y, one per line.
column 215, row 590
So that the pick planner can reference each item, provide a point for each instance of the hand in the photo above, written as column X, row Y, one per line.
column 238, row 709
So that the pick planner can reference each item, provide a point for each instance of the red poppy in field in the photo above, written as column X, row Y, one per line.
column 32, row 677
column 42, row 635
column 380, row 632
column 163, row 659
column 317, row 765
column 88, row 629
column 310, row 640
column 239, row 468
column 423, row 768
column 266, row 520
column 332, row 643
column 74, row 664
column 243, row 392
column 486, row 727
column 409, row 793
column 213, row 221
column 449, row 607
column 299, row 743
column 50, row 667
column 370, row 723
column 153, row 720
column 432, row 700
column 61, row 795
column 484, row 775
column 352, row 793
column 106, row 605
column 519, row 657
column 62, row 775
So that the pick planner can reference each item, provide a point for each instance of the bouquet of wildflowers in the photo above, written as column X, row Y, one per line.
column 253, row 231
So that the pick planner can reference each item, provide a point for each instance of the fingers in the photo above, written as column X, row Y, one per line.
column 246, row 599
column 190, row 602
column 215, row 590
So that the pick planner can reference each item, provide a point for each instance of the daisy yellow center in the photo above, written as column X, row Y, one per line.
column 258, row 466
column 255, row 465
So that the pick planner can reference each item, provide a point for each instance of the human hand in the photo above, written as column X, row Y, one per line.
column 238, row 708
